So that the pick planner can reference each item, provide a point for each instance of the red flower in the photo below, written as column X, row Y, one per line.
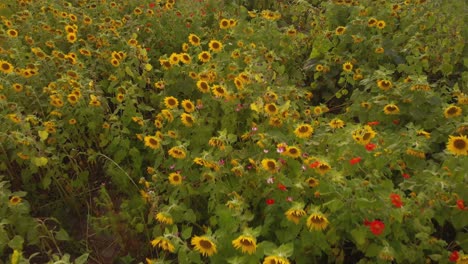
column 396, row 121
column 373, row 123
column 366, row 222
column 454, row 256
column 396, row 200
column 377, row 227
column 270, row 201
column 152, row 5
column 461, row 204
column 370, row 146
column 406, row 175
column 314, row 164
column 282, row 187
column 355, row 160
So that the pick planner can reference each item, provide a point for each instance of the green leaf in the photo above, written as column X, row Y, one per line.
column 43, row 135
column 373, row 250
column 82, row 259
column 286, row 250
column 40, row 161
column 359, row 235
column 62, row 235
column 16, row 242
column 187, row 232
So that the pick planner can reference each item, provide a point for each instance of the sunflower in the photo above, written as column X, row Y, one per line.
column 219, row 91
column 292, row 151
column 166, row 64
column 391, row 109
column 295, row 215
column 15, row 200
column 194, row 40
column 347, row 66
column 238, row 83
column 275, row 260
column 171, row 102
column 203, row 86
column 187, row 119
column 6, row 67
column 340, row 30
column 323, row 168
column 71, row 37
column 381, row 24
column 336, row 123
column 269, row 165
column 224, row 23
column 164, row 218
column 384, row 84
column 163, row 243
column 458, row 145
column 204, row 245
column 114, row 62
column 204, row 56
column 452, row 111
column 247, row 244
column 317, row 221
column 72, row 98
column 177, row 153
column 379, row 50
column 371, row 22
column 174, row 58
column 215, row 46
column 271, row 109
column 423, row 133
column 304, row 131
column 175, row 178
column 17, row 87
column 275, row 121
column 12, row 33
column 416, row 153
column 152, row 142
column 312, row 182
column 188, row 106
column 185, row 58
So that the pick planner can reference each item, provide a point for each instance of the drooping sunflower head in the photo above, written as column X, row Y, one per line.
column 384, row 84
column 177, row 153
column 295, row 215
column 317, row 221
column 247, row 244
column 336, row 123
column 323, row 168
column 391, row 109
column 164, row 218
column 275, row 260
column 204, row 245
column 163, row 243
column 458, row 145
column 219, row 91
column 340, row 30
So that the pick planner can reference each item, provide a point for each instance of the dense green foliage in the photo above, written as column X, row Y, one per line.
column 233, row 132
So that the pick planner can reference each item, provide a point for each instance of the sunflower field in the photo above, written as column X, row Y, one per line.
column 246, row 131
